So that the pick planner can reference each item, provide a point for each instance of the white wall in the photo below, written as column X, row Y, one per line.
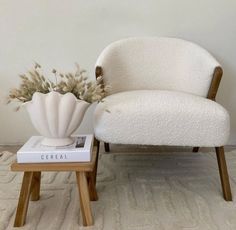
column 58, row 33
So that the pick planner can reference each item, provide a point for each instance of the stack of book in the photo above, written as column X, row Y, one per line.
column 33, row 152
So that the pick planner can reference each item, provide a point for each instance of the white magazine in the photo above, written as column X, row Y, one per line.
column 34, row 152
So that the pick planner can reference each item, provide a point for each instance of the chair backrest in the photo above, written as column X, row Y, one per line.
column 157, row 63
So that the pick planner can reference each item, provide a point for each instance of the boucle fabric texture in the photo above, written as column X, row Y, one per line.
column 157, row 63
column 160, row 117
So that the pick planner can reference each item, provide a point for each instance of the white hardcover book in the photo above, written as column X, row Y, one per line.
column 34, row 152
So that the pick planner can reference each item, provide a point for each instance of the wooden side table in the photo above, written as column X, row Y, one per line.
column 86, row 179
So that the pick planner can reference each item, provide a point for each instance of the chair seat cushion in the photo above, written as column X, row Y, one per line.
column 160, row 117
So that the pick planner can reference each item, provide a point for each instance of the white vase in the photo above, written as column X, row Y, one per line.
column 56, row 116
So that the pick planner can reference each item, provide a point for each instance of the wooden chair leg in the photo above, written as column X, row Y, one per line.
column 223, row 173
column 92, row 178
column 23, row 202
column 35, row 191
column 107, row 147
column 195, row 149
column 97, row 143
column 84, row 198
column 92, row 187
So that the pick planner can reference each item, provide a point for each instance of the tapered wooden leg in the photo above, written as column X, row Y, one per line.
column 223, row 173
column 23, row 202
column 84, row 198
column 107, row 147
column 35, row 191
column 195, row 149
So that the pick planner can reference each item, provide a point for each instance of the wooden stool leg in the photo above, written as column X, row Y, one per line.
column 84, row 198
column 35, row 193
column 223, row 173
column 23, row 202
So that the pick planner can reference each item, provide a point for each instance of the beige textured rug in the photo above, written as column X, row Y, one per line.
column 139, row 190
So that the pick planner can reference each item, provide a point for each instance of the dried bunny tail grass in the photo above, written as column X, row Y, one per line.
column 76, row 83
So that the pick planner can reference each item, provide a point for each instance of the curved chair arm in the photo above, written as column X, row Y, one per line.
column 217, row 75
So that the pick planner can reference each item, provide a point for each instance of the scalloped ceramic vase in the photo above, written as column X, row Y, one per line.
column 56, row 116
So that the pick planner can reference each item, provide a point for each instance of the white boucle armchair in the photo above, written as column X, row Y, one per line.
column 162, row 93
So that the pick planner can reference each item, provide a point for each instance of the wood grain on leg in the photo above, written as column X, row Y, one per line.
column 84, row 198
column 35, row 191
column 223, row 173
column 23, row 202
